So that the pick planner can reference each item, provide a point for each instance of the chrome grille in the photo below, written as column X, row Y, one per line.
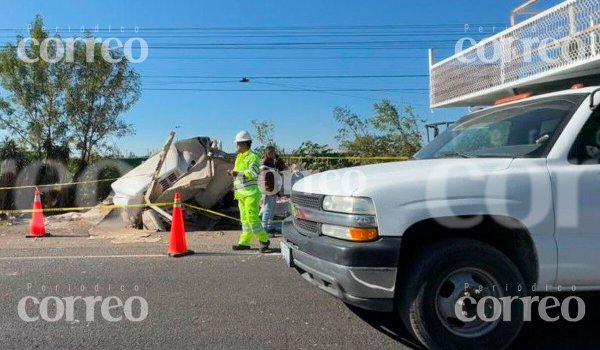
column 305, row 200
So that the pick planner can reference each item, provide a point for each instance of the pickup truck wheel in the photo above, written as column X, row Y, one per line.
column 436, row 284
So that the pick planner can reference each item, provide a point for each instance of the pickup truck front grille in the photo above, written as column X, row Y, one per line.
column 306, row 200
column 307, row 228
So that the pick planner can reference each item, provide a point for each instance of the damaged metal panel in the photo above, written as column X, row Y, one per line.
column 194, row 167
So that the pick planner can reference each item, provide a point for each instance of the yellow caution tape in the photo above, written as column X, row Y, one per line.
column 221, row 214
column 114, row 206
column 346, row 158
column 58, row 185
column 212, row 212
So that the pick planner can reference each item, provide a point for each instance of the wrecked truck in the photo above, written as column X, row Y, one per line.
column 197, row 169
column 194, row 167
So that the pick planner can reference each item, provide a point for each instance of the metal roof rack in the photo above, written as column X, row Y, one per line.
column 561, row 44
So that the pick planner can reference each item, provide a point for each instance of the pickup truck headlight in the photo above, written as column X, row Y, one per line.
column 349, row 205
column 350, row 233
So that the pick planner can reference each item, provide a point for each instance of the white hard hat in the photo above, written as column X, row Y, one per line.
column 243, row 136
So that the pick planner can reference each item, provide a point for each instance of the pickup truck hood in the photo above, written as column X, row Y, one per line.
column 369, row 179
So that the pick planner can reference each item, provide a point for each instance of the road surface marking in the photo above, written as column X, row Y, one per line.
column 111, row 256
column 80, row 257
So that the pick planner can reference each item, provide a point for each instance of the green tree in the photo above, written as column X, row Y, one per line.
column 33, row 109
column 318, row 157
column 387, row 133
column 99, row 93
column 10, row 150
column 12, row 159
column 264, row 135
column 54, row 103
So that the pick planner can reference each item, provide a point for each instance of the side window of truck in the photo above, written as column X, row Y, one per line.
column 586, row 149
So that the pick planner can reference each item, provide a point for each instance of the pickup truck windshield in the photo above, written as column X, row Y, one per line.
column 525, row 129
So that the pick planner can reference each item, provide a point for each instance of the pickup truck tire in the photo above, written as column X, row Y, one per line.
column 436, row 279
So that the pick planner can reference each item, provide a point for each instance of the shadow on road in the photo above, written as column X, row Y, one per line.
column 536, row 334
column 387, row 323
column 249, row 252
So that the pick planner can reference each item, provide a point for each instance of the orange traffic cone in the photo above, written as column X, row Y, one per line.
column 177, row 241
column 38, row 227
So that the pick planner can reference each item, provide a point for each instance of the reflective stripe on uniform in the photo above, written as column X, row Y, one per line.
column 255, row 228
column 251, row 224
column 241, row 185
column 254, row 170
column 247, row 164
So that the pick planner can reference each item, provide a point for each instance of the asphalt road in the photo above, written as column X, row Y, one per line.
column 209, row 300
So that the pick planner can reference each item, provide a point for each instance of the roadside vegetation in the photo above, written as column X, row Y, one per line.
column 63, row 112
column 391, row 132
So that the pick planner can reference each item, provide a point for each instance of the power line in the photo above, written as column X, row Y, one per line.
column 272, row 28
column 349, row 27
column 289, row 77
column 301, row 87
column 416, row 90
column 298, row 48
column 296, row 87
column 285, row 36
column 422, row 46
column 362, row 42
column 289, row 58
column 191, row 82
column 309, row 45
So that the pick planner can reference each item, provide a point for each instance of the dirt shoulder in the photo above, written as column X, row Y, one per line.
column 74, row 235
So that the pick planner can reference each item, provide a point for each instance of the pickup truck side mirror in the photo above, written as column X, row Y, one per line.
column 592, row 104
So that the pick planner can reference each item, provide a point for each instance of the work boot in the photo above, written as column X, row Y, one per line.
column 264, row 247
column 240, row 247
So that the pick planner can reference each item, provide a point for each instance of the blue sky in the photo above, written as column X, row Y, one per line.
column 297, row 115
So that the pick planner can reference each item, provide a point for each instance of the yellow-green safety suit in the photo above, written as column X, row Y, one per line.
column 248, row 195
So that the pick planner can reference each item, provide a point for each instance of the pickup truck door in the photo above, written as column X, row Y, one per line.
column 576, row 193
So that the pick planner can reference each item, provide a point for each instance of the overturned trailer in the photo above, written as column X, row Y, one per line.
column 195, row 167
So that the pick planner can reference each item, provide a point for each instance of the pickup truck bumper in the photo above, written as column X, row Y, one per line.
column 361, row 274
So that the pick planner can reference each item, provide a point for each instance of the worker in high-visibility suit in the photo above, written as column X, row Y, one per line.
column 247, row 193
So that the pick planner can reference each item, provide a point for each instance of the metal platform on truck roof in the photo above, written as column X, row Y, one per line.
column 547, row 52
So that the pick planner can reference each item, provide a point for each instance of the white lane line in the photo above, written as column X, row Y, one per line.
column 80, row 257
column 111, row 256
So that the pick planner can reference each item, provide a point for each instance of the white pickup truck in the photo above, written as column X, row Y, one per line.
column 505, row 202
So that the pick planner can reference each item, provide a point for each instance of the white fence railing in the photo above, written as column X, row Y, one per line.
column 558, row 43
